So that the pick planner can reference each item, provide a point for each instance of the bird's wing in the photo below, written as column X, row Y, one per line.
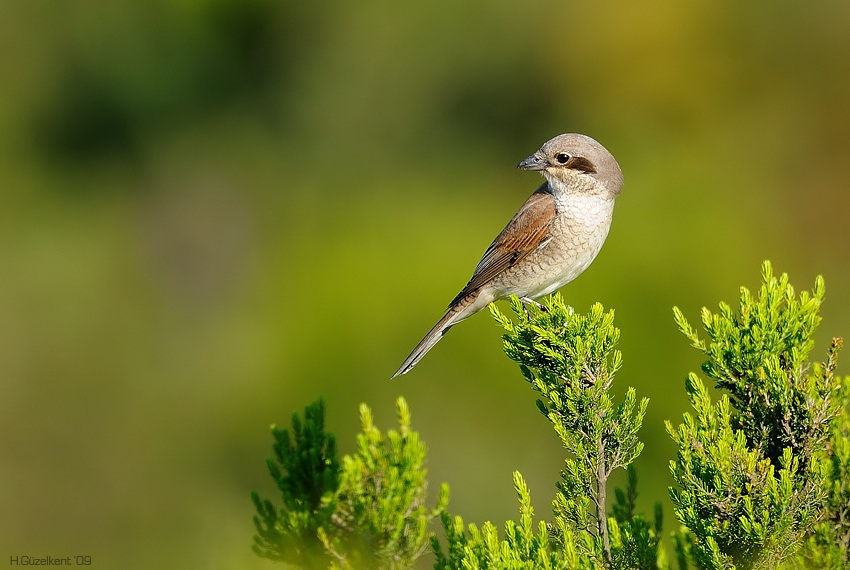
column 526, row 231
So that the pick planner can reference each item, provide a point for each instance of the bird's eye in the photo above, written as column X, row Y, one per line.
column 562, row 157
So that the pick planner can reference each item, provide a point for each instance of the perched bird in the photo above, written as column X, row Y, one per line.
column 550, row 241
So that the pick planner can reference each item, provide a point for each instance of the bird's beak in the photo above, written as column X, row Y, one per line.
column 533, row 162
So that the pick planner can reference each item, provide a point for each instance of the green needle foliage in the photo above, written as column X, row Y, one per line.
column 367, row 511
column 526, row 546
column 762, row 474
column 828, row 544
column 305, row 469
column 570, row 360
column 636, row 540
column 756, row 470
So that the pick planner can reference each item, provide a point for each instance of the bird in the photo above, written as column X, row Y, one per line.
column 551, row 240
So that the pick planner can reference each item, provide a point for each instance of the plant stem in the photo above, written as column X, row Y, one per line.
column 601, row 516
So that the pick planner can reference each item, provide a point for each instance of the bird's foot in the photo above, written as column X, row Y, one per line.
column 529, row 301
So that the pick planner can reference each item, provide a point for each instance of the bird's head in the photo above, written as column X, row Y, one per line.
column 577, row 161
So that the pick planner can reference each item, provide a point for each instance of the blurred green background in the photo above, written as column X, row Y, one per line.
column 214, row 211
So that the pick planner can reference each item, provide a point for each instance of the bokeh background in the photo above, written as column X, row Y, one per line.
column 214, row 211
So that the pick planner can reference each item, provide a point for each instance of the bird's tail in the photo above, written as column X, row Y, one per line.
column 454, row 315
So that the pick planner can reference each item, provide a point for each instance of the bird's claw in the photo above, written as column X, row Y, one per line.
column 529, row 301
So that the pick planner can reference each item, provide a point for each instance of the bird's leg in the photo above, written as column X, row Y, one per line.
column 529, row 301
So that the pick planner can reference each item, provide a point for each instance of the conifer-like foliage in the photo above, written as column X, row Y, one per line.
column 305, row 469
column 757, row 469
column 828, row 543
column 570, row 360
column 762, row 474
column 636, row 538
column 526, row 546
column 367, row 511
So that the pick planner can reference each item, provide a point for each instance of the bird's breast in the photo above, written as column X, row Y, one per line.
column 577, row 233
